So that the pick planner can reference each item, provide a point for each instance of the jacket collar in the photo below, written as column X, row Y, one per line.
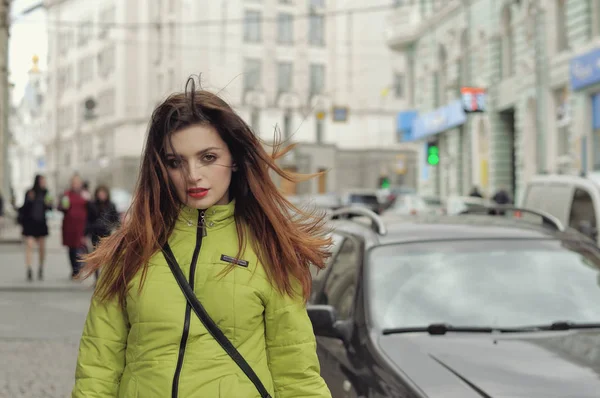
column 215, row 217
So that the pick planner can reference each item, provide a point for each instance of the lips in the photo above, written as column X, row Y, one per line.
column 197, row 193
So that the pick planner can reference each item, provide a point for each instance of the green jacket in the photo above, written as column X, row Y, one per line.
column 155, row 348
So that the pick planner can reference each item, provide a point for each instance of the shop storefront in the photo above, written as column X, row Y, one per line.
column 439, row 130
column 584, row 73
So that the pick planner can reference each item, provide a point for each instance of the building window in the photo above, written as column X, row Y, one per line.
column 562, row 38
column 252, row 74
column 561, row 102
column 85, row 32
column 106, row 61
column 255, row 120
column 252, row 26
column 320, row 129
column 317, row 79
column 106, row 102
column 287, row 125
column 284, row 77
column 507, row 43
column 316, row 30
column 398, row 85
column 85, row 71
column 108, row 15
column 285, row 28
column 595, row 16
column 86, row 148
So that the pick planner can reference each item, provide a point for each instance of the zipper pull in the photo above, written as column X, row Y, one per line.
column 202, row 224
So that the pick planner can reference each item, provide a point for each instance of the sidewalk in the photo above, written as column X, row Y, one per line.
column 57, row 270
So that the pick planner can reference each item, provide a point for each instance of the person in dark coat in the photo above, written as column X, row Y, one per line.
column 32, row 217
column 102, row 216
column 74, row 206
column 475, row 193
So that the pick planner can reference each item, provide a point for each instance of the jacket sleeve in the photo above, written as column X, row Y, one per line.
column 101, row 359
column 291, row 349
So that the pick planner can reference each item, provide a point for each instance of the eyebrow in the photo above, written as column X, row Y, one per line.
column 203, row 151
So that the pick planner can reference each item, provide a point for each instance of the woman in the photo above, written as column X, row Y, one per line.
column 32, row 216
column 74, row 206
column 204, row 201
column 102, row 216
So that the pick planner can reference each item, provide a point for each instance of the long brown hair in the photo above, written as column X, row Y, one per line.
column 286, row 239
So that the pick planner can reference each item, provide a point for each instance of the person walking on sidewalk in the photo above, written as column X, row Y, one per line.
column 74, row 206
column 203, row 289
column 32, row 217
column 102, row 217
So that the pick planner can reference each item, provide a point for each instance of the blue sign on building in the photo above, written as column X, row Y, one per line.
column 584, row 70
column 442, row 119
column 404, row 122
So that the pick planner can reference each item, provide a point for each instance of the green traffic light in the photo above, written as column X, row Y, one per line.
column 433, row 155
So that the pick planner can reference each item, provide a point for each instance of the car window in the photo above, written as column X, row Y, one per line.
column 364, row 199
column 340, row 285
column 492, row 283
column 582, row 210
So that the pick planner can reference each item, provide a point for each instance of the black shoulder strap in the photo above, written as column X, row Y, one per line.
column 210, row 325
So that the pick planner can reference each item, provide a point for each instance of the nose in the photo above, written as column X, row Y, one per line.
column 195, row 172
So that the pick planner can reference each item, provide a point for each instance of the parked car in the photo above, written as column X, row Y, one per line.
column 464, row 306
column 371, row 199
column 410, row 205
column 574, row 200
column 458, row 204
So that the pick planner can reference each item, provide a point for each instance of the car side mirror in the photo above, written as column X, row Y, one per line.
column 324, row 321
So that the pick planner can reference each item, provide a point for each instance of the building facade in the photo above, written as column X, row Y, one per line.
column 314, row 75
column 27, row 128
column 519, row 52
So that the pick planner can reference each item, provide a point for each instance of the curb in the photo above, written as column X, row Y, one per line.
column 14, row 241
column 46, row 289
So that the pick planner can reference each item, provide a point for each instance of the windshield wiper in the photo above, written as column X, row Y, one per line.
column 560, row 325
column 443, row 328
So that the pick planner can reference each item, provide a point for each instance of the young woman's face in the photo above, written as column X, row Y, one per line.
column 102, row 195
column 200, row 165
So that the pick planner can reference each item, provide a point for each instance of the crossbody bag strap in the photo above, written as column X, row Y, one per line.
column 210, row 325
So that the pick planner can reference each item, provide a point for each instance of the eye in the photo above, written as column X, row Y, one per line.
column 209, row 157
column 173, row 163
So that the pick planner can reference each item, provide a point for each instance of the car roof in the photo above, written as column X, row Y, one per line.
column 404, row 229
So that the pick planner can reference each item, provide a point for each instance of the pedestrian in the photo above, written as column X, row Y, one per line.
column 102, row 217
column 475, row 192
column 32, row 217
column 208, row 230
column 74, row 206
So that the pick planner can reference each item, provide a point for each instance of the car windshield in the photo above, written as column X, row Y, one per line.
column 492, row 283
column 364, row 199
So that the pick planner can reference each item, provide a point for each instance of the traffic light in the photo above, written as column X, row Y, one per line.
column 433, row 153
column 384, row 182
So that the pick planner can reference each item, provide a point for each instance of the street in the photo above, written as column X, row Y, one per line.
column 40, row 325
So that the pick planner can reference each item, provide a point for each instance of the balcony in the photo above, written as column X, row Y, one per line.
column 403, row 27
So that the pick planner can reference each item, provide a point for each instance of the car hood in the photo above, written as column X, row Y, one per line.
column 540, row 364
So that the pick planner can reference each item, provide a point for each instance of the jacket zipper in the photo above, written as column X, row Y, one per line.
column 201, row 232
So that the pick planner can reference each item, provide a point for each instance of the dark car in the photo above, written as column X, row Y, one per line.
column 464, row 306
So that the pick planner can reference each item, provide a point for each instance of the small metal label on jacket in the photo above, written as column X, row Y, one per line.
column 229, row 259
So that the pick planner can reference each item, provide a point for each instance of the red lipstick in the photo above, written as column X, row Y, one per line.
column 197, row 193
